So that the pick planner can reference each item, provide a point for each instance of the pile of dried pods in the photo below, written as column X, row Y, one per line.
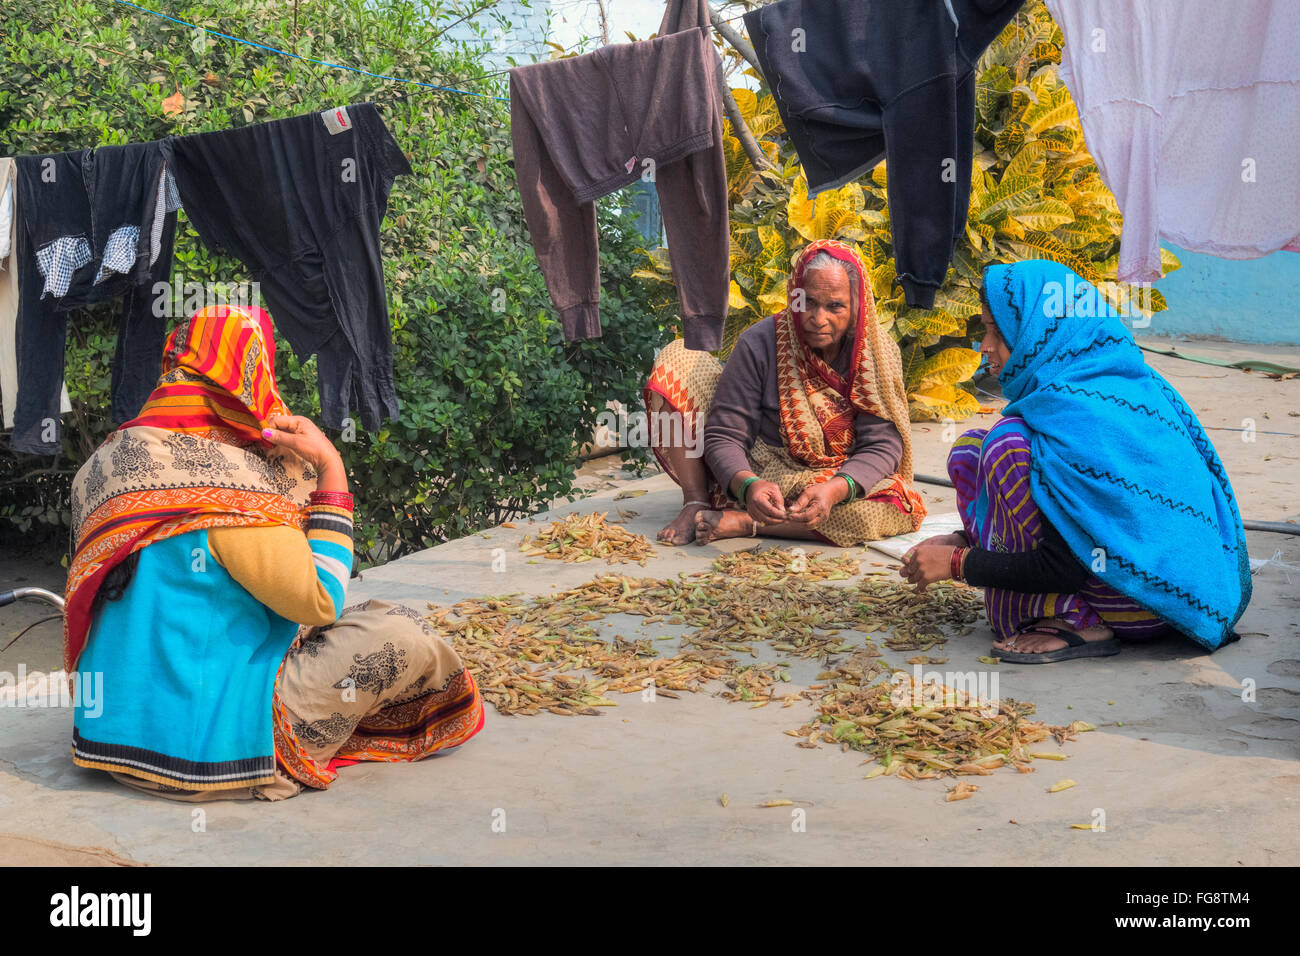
column 577, row 538
column 542, row 653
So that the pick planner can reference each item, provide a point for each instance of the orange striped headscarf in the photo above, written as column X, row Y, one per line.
column 218, row 377
column 193, row 458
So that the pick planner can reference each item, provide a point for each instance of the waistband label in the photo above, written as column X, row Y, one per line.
column 336, row 119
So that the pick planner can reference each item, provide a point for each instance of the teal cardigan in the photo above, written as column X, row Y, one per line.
column 186, row 663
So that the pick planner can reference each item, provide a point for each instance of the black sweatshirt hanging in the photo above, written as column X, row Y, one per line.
column 299, row 202
column 858, row 81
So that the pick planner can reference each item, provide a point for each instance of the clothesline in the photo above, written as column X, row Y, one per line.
column 308, row 59
column 337, row 66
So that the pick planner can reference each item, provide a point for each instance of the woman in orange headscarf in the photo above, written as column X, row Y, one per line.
column 205, row 611
column 807, row 431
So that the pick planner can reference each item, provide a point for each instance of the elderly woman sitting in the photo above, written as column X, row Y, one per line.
column 805, row 429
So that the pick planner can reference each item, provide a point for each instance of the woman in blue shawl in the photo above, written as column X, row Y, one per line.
column 1096, row 509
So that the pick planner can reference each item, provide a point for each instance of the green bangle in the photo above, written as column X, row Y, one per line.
column 853, row 485
column 744, row 488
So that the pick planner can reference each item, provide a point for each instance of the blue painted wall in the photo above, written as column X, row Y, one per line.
column 1245, row 300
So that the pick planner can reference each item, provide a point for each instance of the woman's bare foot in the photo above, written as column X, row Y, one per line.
column 1031, row 642
column 716, row 525
column 681, row 530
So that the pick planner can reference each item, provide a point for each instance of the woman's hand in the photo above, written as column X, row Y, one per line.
column 955, row 540
column 301, row 436
column 927, row 563
column 765, row 503
column 813, row 506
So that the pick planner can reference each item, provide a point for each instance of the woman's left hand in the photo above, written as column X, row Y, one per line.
column 813, row 506
column 927, row 563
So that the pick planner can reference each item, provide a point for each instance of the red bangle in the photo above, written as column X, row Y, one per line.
column 335, row 499
column 956, row 562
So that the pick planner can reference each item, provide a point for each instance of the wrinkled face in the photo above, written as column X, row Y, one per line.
column 828, row 309
column 993, row 345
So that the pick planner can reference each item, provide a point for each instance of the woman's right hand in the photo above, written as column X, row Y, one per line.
column 765, row 503
column 955, row 540
column 301, row 436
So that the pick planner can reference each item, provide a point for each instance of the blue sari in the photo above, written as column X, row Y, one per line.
column 1120, row 463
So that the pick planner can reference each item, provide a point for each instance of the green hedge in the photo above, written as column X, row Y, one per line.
column 493, row 401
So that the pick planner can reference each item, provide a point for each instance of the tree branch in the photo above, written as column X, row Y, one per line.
column 757, row 158
column 738, row 42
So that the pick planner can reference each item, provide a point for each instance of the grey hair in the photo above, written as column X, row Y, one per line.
column 824, row 260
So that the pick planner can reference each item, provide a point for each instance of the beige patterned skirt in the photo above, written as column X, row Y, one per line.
column 687, row 379
column 379, row 683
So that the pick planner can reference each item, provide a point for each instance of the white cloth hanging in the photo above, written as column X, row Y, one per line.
column 1191, row 109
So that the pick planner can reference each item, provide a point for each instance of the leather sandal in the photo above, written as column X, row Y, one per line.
column 1078, row 647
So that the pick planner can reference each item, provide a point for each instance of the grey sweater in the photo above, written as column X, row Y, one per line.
column 746, row 408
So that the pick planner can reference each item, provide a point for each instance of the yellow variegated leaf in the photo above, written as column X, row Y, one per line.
column 1010, row 139
column 773, row 301
column 1050, row 112
column 932, row 322
column 948, row 367
column 940, row 402
column 913, row 359
column 735, row 299
column 1009, row 228
column 659, row 258
column 657, row 267
column 836, row 214
column 1011, row 193
column 1082, row 232
column 1027, row 161
column 964, row 264
column 775, row 251
column 958, row 299
column 873, row 252
column 882, row 280
column 931, row 393
column 1038, row 245
column 1045, row 84
column 747, row 101
column 1045, row 50
column 1044, row 215
column 758, row 111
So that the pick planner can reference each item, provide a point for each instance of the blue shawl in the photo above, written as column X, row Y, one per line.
column 1121, row 466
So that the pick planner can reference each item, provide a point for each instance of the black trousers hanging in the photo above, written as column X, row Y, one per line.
column 87, row 195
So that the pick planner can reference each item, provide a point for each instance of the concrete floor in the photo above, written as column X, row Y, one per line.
column 1184, row 770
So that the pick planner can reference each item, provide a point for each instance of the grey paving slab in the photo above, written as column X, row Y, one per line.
column 1184, row 769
